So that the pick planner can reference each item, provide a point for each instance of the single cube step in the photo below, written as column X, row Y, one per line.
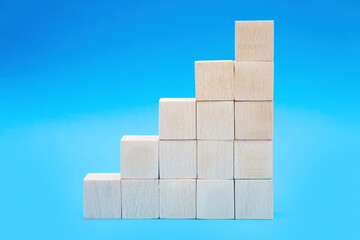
column 177, row 198
column 140, row 198
column 215, row 199
column 254, row 40
column 215, row 120
column 254, row 80
column 254, row 199
column 102, row 195
column 253, row 159
column 177, row 158
column 214, row 80
column 254, row 120
column 177, row 118
column 139, row 157
column 215, row 159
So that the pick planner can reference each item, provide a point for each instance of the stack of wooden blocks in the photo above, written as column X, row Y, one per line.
column 213, row 156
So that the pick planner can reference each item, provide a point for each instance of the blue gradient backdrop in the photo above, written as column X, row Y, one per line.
column 77, row 75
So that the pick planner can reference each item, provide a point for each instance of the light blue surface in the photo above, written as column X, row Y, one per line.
column 76, row 76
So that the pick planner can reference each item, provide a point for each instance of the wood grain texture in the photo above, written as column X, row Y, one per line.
column 177, row 198
column 177, row 118
column 177, row 158
column 253, row 159
column 254, row 80
column 214, row 80
column 254, row 120
column 254, row 40
column 215, row 159
column 215, row 199
column 102, row 195
column 254, row 199
column 140, row 198
column 139, row 157
column 215, row 120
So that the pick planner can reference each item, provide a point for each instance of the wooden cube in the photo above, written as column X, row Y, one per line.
column 215, row 120
column 214, row 80
column 177, row 198
column 139, row 157
column 177, row 158
column 254, row 120
column 254, row 199
column 254, row 80
column 215, row 199
column 102, row 195
column 177, row 118
column 140, row 198
column 253, row 159
column 254, row 40
column 215, row 159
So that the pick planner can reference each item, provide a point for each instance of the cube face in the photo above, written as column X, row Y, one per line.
column 214, row 80
column 254, row 80
column 215, row 120
column 177, row 159
column 254, row 40
column 215, row 159
column 215, row 199
column 140, row 198
column 254, row 120
column 177, row 118
column 102, row 195
column 139, row 157
column 254, row 199
column 177, row 198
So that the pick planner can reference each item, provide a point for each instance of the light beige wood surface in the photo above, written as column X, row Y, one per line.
column 102, row 195
column 177, row 118
column 214, row 80
column 254, row 40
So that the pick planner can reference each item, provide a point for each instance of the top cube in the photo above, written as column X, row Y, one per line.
column 254, row 41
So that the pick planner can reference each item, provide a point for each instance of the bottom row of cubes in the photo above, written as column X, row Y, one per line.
column 109, row 196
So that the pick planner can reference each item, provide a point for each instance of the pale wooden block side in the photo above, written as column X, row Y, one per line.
column 139, row 156
column 177, row 118
column 254, row 199
column 177, row 158
column 102, row 195
column 215, row 159
column 215, row 120
column 214, row 80
column 254, row 120
column 177, row 198
column 215, row 199
column 254, row 80
column 140, row 198
column 253, row 159
column 254, row 40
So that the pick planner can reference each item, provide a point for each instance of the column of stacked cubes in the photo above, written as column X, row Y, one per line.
column 213, row 156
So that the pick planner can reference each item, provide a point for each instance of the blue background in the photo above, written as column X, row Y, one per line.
column 77, row 75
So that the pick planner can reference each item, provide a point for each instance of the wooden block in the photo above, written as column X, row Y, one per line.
column 254, row 40
column 254, row 120
column 177, row 118
column 177, row 158
column 253, row 159
column 177, row 198
column 102, row 195
column 215, row 159
column 140, row 198
column 254, row 199
column 139, row 156
column 215, row 199
column 214, row 80
column 215, row 120
column 254, row 80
